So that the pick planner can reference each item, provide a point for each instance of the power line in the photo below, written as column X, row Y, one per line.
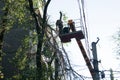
column 70, row 67
column 84, row 25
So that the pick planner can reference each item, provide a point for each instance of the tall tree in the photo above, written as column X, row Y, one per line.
column 15, row 15
column 52, row 62
column 40, row 33
column 3, row 22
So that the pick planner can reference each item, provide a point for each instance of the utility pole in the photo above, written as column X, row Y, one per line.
column 95, row 61
column 111, row 75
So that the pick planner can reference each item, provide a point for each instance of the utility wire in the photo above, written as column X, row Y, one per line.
column 83, row 23
column 70, row 63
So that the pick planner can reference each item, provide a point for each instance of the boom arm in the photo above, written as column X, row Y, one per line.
column 82, row 50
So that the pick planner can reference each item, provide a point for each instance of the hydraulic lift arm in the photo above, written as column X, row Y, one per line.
column 87, row 60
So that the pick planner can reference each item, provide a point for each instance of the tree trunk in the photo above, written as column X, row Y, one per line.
column 40, row 34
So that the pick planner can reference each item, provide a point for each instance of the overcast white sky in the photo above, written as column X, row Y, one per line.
column 103, row 20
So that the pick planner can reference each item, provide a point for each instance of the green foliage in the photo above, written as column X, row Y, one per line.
column 22, row 62
column 19, row 16
column 18, row 13
column 65, row 17
column 47, row 51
